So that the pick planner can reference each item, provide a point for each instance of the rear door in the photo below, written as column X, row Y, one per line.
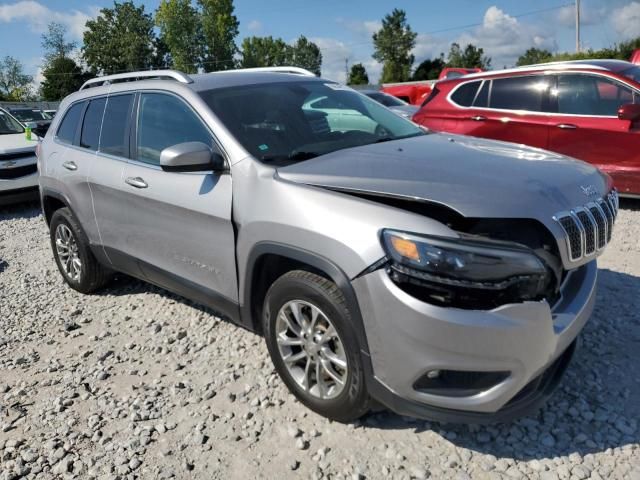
column 510, row 109
column 110, row 116
column 587, row 126
column 179, row 223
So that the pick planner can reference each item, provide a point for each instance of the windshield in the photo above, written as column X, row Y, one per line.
column 293, row 121
column 633, row 73
column 9, row 125
column 29, row 115
column 386, row 99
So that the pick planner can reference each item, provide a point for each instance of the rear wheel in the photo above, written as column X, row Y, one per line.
column 76, row 263
column 310, row 337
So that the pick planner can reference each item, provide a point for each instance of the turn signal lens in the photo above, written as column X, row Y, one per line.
column 405, row 248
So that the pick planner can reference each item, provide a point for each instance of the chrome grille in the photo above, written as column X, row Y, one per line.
column 588, row 228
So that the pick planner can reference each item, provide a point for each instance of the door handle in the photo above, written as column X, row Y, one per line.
column 136, row 182
column 70, row 165
column 567, row 126
column 478, row 118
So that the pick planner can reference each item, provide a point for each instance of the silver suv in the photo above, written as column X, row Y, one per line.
column 444, row 277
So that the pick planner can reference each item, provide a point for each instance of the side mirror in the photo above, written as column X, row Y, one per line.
column 191, row 157
column 630, row 111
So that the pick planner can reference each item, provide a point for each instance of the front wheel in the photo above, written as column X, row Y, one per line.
column 310, row 337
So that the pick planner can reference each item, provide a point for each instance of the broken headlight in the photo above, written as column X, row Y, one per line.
column 465, row 272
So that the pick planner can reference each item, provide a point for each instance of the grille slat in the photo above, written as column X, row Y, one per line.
column 601, row 221
column 588, row 228
column 17, row 172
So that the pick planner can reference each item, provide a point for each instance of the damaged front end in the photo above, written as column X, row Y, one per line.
column 493, row 262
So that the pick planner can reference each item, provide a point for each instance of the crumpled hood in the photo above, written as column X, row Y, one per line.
column 476, row 177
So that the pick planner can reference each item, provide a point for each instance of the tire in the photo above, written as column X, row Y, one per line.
column 89, row 275
column 312, row 295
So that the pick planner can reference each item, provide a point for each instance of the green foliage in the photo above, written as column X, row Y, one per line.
column 358, row 75
column 619, row 51
column 62, row 76
column 275, row 52
column 122, row 39
column 181, row 31
column 264, row 52
column 534, row 56
column 470, row 57
column 54, row 42
column 429, row 69
column 220, row 28
column 306, row 54
column 15, row 85
column 393, row 44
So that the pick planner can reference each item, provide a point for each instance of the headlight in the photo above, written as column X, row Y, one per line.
column 467, row 271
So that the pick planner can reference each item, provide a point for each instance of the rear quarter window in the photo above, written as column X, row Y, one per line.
column 465, row 93
column 69, row 124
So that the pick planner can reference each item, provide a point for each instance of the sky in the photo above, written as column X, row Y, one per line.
column 342, row 28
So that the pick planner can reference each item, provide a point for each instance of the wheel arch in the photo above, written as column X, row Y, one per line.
column 52, row 201
column 268, row 261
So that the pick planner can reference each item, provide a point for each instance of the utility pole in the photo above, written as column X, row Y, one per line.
column 346, row 71
column 577, row 26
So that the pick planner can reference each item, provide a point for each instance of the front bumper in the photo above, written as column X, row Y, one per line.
column 19, row 189
column 408, row 338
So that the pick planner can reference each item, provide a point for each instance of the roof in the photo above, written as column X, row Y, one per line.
column 604, row 64
column 234, row 78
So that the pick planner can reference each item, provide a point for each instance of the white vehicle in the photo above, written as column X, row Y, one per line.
column 18, row 162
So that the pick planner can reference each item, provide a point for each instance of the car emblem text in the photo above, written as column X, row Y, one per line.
column 589, row 190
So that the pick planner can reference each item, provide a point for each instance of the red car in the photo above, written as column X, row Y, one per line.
column 586, row 109
column 414, row 93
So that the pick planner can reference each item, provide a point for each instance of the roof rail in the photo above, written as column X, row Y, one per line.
column 294, row 70
column 133, row 76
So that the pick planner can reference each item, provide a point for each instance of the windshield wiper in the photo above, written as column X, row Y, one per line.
column 295, row 156
column 389, row 139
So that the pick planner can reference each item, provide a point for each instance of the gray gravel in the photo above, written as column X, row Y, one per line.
column 134, row 382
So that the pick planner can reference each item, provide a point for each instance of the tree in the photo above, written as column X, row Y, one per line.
column 62, row 76
column 429, row 69
column 265, row 52
column 181, row 31
column 122, row 39
column 220, row 28
column 55, row 44
column 358, row 75
column 307, row 55
column 470, row 57
column 533, row 56
column 393, row 44
column 15, row 85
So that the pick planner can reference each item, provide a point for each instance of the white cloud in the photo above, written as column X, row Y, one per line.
column 254, row 26
column 626, row 20
column 334, row 52
column 504, row 38
column 38, row 16
column 566, row 16
column 364, row 28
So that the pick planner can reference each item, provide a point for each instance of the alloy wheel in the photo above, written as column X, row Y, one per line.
column 67, row 250
column 311, row 349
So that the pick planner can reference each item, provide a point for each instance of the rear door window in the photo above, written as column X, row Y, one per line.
column 90, row 136
column 114, row 126
column 519, row 93
column 69, row 125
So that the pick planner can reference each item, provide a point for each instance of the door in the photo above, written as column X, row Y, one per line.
column 509, row 109
column 179, row 224
column 587, row 126
column 70, row 165
column 105, row 131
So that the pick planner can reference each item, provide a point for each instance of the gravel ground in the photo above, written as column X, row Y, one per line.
column 134, row 382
